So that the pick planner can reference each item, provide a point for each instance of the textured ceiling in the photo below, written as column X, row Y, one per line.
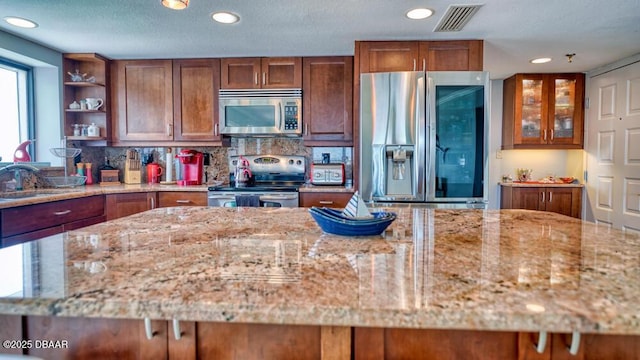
column 514, row 31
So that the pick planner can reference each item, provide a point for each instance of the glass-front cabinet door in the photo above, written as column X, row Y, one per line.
column 543, row 111
column 533, row 118
column 565, row 117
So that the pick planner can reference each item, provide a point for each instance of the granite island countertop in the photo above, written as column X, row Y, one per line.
column 511, row 270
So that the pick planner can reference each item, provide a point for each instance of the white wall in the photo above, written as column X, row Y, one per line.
column 47, row 65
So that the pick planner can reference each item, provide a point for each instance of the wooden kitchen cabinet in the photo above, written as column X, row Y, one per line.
column 261, row 73
column 181, row 198
column 30, row 222
column 97, row 338
column 543, row 111
column 143, row 100
column 385, row 56
column 196, row 84
column 167, row 102
column 95, row 84
column 561, row 200
column 325, row 199
column 591, row 346
column 328, row 101
column 125, row 204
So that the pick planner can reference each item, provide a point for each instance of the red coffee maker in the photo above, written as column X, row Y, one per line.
column 191, row 162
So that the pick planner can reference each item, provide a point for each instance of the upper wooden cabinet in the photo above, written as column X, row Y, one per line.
column 327, row 101
column 166, row 101
column 385, row 56
column 143, row 100
column 261, row 73
column 195, row 99
column 93, row 82
column 543, row 111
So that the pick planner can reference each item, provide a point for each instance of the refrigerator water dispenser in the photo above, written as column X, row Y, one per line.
column 398, row 170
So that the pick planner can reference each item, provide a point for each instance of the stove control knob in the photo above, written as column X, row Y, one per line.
column 299, row 162
column 290, row 161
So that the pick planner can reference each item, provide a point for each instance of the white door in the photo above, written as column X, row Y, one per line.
column 613, row 148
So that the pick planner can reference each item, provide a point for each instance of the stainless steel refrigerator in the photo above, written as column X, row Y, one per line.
column 423, row 138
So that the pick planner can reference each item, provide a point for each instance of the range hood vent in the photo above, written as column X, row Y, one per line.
column 456, row 17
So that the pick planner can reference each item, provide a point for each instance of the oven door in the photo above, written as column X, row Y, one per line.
column 271, row 199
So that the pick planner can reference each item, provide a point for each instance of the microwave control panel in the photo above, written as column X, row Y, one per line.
column 291, row 116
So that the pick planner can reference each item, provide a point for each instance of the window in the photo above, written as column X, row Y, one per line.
column 16, row 111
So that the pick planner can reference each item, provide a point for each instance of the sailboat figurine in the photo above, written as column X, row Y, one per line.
column 356, row 208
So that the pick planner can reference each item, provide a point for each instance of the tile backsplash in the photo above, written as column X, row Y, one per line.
column 218, row 169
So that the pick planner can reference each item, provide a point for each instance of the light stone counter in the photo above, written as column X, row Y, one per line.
column 539, row 184
column 513, row 270
column 37, row 196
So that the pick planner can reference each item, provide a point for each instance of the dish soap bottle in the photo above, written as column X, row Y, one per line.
column 89, row 174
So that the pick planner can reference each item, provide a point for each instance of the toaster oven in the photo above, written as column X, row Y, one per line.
column 327, row 174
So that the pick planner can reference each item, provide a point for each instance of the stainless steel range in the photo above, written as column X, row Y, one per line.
column 274, row 182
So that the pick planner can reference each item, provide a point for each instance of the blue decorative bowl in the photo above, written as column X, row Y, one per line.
column 337, row 226
column 375, row 218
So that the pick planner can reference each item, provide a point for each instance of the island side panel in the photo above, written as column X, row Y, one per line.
column 434, row 344
column 10, row 329
column 257, row 341
column 93, row 338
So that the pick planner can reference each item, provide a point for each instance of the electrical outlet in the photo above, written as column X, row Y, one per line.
column 499, row 154
column 206, row 159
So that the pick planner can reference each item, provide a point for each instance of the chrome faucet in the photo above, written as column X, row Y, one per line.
column 16, row 167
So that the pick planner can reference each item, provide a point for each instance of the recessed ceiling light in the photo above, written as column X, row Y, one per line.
column 419, row 13
column 20, row 22
column 540, row 60
column 175, row 4
column 225, row 17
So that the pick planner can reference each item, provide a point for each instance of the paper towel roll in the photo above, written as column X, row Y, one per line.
column 169, row 166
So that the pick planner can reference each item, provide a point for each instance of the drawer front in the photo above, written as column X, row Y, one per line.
column 23, row 219
column 182, row 198
column 326, row 199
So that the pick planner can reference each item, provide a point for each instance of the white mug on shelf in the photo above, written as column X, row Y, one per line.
column 94, row 103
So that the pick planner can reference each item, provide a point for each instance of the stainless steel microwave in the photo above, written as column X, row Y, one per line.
column 276, row 112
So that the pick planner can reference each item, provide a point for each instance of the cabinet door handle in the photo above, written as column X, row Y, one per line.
column 64, row 212
column 264, row 78
column 325, row 202
column 255, row 78
column 147, row 329
column 542, row 342
column 550, row 196
column 215, row 130
column 544, row 134
column 177, row 334
column 169, row 129
column 414, row 64
column 424, row 64
column 575, row 343
column 183, row 201
column 551, row 134
column 153, row 203
column 543, row 196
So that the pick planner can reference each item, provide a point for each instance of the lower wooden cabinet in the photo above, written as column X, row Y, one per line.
column 125, row 204
column 30, row 222
column 97, row 338
column 326, row 199
column 561, row 200
column 181, row 198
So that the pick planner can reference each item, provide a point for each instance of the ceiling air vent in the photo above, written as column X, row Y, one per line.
column 456, row 17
